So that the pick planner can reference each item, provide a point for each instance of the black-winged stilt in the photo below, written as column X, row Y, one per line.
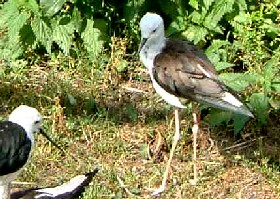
column 180, row 70
column 16, row 142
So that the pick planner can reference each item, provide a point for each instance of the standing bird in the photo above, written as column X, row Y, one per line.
column 16, row 142
column 179, row 70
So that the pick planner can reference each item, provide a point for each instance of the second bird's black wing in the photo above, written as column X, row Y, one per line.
column 15, row 147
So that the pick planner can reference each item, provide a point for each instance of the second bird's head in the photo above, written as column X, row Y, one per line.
column 31, row 120
column 28, row 118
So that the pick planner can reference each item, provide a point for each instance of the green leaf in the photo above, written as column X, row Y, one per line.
column 276, row 87
column 102, row 26
column 239, row 122
column 259, row 102
column 63, row 35
column 243, row 18
column 176, row 26
column 215, row 52
column 196, row 17
column 215, row 45
column 144, row 151
column 218, row 117
column 8, row 51
column 9, row 10
column 122, row 66
column 15, row 24
column 214, row 58
column 220, row 8
column 132, row 112
column 33, row 6
column 27, row 36
column 207, row 4
column 239, row 81
column 272, row 29
column 51, row 7
column 42, row 32
column 223, row 65
column 195, row 33
column 242, row 5
column 76, row 19
column 194, row 4
column 271, row 68
column 91, row 38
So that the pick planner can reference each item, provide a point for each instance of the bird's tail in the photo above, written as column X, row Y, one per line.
column 69, row 190
column 226, row 101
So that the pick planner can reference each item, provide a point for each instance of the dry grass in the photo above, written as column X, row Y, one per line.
column 115, row 121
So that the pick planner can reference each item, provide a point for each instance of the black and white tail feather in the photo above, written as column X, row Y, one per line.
column 68, row 190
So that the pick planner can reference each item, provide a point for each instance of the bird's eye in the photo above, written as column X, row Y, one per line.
column 37, row 122
column 154, row 30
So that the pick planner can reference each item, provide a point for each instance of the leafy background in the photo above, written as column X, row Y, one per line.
column 241, row 38
column 64, row 43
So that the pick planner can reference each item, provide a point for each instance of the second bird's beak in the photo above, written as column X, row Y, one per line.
column 49, row 139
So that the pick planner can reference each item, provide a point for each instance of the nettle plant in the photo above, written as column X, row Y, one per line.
column 240, row 37
column 256, row 44
column 49, row 25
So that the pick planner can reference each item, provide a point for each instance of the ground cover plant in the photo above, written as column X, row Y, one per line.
column 76, row 62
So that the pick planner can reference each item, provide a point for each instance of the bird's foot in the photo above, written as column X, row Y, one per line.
column 193, row 182
column 157, row 191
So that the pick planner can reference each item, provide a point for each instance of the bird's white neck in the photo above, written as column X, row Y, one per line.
column 150, row 50
column 27, row 127
column 5, row 191
column 29, row 131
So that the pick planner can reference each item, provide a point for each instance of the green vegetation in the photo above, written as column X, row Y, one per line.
column 75, row 62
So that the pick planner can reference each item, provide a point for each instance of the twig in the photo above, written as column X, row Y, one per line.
column 124, row 186
column 134, row 90
column 17, row 184
column 242, row 144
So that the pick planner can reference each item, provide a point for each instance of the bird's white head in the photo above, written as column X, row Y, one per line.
column 27, row 117
column 152, row 30
column 151, row 25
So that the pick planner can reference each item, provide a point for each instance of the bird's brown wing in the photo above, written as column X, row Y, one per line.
column 185, row 71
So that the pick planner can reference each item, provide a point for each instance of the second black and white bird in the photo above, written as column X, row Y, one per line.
column 16, row 142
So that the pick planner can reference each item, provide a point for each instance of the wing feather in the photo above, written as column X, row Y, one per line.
column 185, row 71
column 14, row 147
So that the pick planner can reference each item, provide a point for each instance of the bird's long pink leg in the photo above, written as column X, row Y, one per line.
column 195, row 130
column 176, row 138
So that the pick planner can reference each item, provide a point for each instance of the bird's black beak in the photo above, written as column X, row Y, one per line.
column 49, row 139
column 142, row 43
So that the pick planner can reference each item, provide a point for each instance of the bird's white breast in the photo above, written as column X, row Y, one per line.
column 169, row 98
column 147, row 57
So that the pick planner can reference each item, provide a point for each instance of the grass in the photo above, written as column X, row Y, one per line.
column 92, row 112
